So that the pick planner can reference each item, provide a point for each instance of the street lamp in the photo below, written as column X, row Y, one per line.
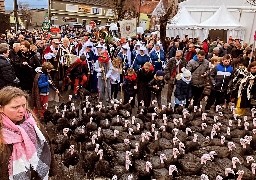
column 15, row 10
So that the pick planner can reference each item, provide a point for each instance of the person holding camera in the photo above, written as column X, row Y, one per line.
column 7, row 73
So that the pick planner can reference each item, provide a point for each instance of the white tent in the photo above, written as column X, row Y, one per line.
column 182, row 20
column 221, row 19
column 240, row 10
column 182, row 24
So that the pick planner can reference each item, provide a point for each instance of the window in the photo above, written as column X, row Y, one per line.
column 96, row 10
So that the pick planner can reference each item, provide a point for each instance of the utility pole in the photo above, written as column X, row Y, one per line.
column 49, row 10
column 15, row 10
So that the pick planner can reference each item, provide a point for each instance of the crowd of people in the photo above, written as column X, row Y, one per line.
column 219, row 73
column 139, row 67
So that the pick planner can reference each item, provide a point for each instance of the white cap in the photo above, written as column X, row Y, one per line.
column 99, row 46
column 185, row 72
column 126, row 46
column 88, row 43
column 143, row 48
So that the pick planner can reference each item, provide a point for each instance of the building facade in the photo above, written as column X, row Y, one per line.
column 81, row 11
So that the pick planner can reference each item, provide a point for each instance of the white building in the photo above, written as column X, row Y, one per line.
column 241, row 10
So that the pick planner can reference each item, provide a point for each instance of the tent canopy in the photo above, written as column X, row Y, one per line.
column 182, row 19
column 221, row 19
column 215, row 3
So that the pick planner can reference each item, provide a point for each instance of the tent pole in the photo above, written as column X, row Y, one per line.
column 252, row 25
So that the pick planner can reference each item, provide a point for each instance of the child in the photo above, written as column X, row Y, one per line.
column 41, row 87
column 156, row 86
column 130, row 87
column 220, row 77
column 115, row 78
column 182, row 92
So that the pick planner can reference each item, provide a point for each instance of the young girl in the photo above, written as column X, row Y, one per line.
column 183, row 88
column 130, row 86
column 115, row 78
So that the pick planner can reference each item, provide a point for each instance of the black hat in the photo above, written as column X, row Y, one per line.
column 159, row 73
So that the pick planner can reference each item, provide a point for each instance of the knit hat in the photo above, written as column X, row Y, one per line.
column 159, row 73
column 185, row 72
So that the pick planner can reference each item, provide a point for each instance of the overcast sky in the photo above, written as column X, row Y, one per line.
column 32, row 3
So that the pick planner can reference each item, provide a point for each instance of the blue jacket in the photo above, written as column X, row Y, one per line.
column 139, row 61
column 155, row 59
column 43, row 84
column 220, row 77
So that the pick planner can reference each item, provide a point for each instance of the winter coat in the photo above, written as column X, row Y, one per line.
column 43, row 84
column 158, row 83
column 208, row 86
column 27, row 72
column 7, row 152
column 7, row 74
column 157, row 60
column 139, row 61
column 183, row 90
column 198, row 70
column 128, row 85
column 115, row 76
column 108, row 67
column 144, row 92
column 189, row 55
column 15, row 59
column 172, row 51
column 126, row 59
column 248, row 91
column 220, row 77
column 171, row 69
column 235, row 81
column 77, row 69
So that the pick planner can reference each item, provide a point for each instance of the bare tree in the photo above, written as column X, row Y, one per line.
column 126, row 8
column 25, row 13
column 167, row 9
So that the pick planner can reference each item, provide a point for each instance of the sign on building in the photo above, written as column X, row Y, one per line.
column 71, row 8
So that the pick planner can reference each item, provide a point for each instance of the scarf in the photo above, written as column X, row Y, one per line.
column 30, row 149
column 185, row 80
column 132, row 77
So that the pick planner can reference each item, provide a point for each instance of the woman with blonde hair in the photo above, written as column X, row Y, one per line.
column 24, row 150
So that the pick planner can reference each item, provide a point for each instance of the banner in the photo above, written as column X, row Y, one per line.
column 128, row 28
